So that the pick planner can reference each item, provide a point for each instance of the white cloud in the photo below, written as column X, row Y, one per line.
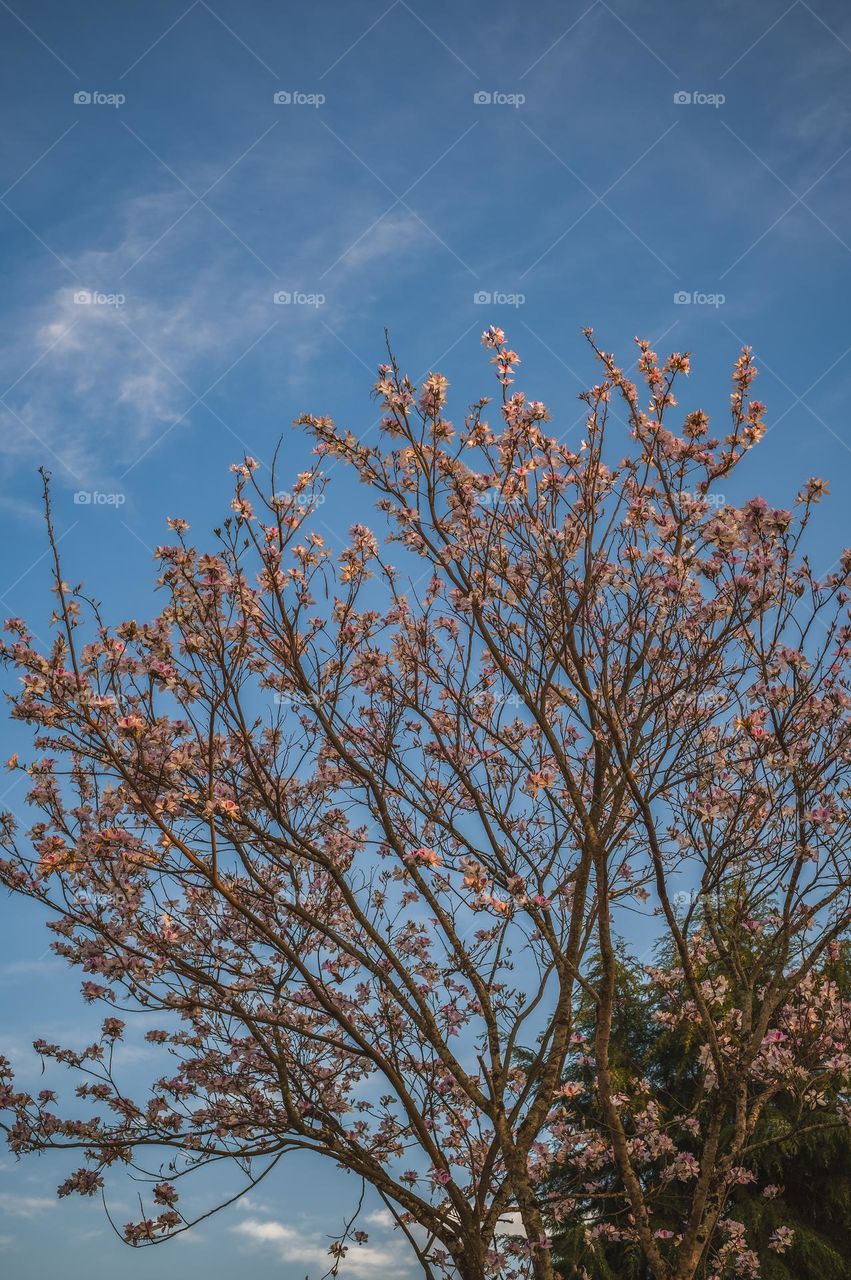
column 24, row 1206
column 380, row 1218
column 263, row 1232
column 190, row 1237
column 90, row 386
column 510, row 1224
column 293, row 1244
column 391, row 235
column 101, row 381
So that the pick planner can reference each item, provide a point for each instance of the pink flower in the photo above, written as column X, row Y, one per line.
column 424, row 857
column 537, row 781
column 130, row 724
column 781, row 1239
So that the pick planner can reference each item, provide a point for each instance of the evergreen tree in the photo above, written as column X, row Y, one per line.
column 801, row 1171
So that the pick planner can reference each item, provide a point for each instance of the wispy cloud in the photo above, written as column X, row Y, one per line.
column 16, row 971
column 19, row 1206
column 103, row 368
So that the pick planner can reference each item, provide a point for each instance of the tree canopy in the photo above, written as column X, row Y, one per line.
column 349, row 834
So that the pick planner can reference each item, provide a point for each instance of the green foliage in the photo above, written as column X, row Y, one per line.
column 810, row 1170
column 814, row 1172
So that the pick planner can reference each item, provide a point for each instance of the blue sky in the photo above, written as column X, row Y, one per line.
column 582, row 164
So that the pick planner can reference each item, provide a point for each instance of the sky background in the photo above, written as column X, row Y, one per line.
column 680, row 172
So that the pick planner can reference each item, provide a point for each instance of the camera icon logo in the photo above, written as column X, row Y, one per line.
column 82, row 98
column 482, row 298
column 82, row 498
column 83, row 297
column 282, row 98
column 482, row 98
column 682, row 296
column 682, row 98
column 282, row 298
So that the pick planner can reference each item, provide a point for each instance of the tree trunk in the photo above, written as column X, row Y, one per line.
column 471, row 1264
column 470, row 1267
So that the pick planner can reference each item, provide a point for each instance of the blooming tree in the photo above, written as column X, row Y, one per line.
column 346, row 834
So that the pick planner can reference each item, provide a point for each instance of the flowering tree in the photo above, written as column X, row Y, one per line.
column 347, row 834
